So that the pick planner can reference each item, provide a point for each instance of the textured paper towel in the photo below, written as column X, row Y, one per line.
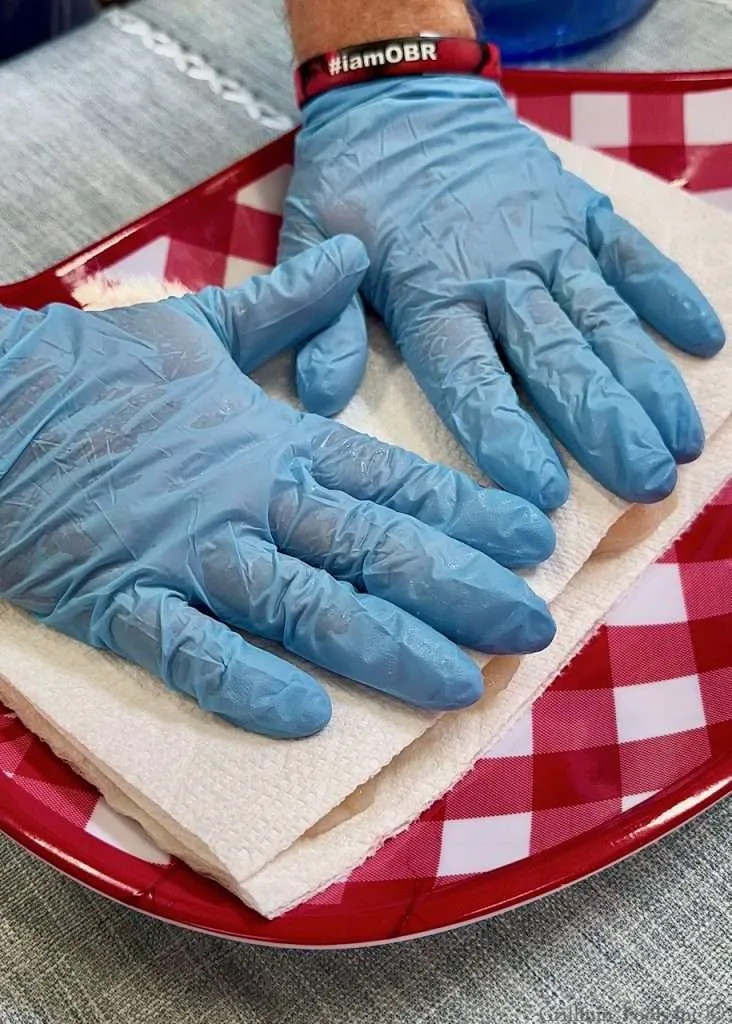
column 240, row 800
column 435, row 762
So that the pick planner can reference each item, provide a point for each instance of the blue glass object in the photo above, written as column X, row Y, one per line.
column 548, row 29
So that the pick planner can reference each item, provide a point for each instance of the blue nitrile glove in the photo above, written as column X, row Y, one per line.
column 488, row 259
column 152, row 496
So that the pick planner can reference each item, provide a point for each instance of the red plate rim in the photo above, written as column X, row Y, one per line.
column 452, row 905
column 550, row 82
column 457, row 903
column 51, row 281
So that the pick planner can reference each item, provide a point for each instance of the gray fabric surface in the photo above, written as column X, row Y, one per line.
column 95, row 129
column 647, row 941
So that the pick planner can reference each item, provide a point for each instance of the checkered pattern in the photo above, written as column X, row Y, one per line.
column 684, row 137
column 647, row 700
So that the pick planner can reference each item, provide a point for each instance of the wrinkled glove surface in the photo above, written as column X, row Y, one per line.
column 489, row 261
column 152, row 496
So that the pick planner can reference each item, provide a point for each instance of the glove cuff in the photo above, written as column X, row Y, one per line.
column 390, row 58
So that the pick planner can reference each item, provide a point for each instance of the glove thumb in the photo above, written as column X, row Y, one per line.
column 284, row 309
column 331, row 365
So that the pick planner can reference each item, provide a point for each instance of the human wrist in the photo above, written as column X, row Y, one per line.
column 319, row 26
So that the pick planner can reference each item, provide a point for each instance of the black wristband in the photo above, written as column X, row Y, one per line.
column 415, row 55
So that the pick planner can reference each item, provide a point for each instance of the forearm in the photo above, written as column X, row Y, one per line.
column 318, row 26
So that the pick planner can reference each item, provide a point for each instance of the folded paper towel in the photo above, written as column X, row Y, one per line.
column 435, row 762
column 236, row 805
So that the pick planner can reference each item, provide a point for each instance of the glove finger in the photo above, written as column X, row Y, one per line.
column 454, row 359
column 617, row 337
column 330, row 624
column 653, row 285
column 504, row 527
column 202, row 658
column 600, row 423
column 331, row 365
column 452, row 587
column 271, row 312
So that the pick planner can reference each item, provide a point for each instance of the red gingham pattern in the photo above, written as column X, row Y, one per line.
column 684, row 137
column 565, row 767
column 646, row 701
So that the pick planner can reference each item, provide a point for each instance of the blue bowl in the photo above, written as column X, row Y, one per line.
column 533, row 30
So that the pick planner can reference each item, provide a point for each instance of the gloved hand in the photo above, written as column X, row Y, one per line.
column 488, row 259
column 152, row 496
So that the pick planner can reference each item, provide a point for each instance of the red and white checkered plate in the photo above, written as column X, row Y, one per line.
column 632, row 739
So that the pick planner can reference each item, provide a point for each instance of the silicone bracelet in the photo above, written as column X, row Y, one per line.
column 414, row 55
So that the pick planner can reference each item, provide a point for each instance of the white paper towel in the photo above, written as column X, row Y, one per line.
column 237, row 801
column 435, row 762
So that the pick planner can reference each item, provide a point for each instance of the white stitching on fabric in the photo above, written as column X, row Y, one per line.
column 196, row 67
